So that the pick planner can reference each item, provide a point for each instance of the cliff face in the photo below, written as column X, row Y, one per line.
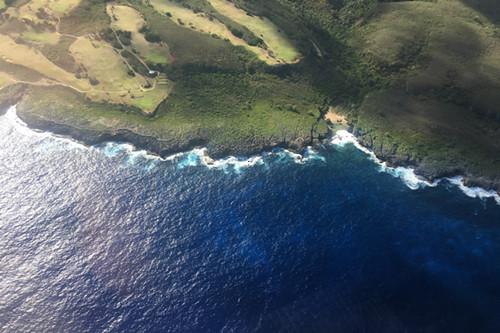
column 166, row 146
column 65, row 112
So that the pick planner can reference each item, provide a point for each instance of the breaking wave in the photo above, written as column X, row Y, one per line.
column 232, row 164
column 408, row 175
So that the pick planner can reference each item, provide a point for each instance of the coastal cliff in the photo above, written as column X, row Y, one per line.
column 61, row 115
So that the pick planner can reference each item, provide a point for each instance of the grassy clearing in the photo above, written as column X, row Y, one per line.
column 44, row 12
column 23, row 55
column 203, row 23
column 110, row 74
column 126, row 18
column 274, row 38
column 103, row 63
column 151, row 54
column 50, row 38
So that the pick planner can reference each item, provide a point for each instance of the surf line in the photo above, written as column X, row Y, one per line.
column 194, row 157
column 23, row 128
column 200, row 156
column 408, row 175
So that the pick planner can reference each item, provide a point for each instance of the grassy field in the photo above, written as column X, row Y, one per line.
column 114, row 84
column 43, row 12
column 31, row 39
column 207, row 24
column 126, row 18
column 23, row 55
column 49, row 38
column 275, row 39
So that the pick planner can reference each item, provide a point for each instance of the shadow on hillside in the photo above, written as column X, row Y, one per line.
column 489, row 8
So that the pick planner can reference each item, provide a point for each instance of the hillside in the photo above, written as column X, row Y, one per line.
column 418, row 80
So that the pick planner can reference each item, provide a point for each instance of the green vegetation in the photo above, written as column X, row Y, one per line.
column 88, row 17
column 266, row 31
column 440, row 109
column 240, row 125
column 41, row 37
column 417, row 80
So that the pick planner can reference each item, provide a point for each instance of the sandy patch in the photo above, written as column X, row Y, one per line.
column 335, row 118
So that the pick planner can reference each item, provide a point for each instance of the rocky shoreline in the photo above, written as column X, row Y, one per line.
column 430, row 171
column 164, row 148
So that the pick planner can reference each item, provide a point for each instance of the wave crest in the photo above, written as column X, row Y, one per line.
column 200, row 157
column 408, row 175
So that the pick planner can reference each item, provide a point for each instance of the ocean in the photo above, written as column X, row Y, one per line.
column 112, row 239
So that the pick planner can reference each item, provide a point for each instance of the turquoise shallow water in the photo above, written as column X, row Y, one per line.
column 108, row 239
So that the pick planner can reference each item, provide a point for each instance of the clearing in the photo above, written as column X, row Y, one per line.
column 110, row 75
column 23, row 55
column 204, row 23
column 276, row 40
column 126, row 18
column 43, row 12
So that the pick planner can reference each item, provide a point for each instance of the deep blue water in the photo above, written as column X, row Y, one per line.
column 102, row 239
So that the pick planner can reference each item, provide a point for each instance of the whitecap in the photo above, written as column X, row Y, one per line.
column 200, row 157
column 237, row 165
column 190, row 159
column 473, row 192
column 286, row 155
column 408, row 175
column 112, row 149
column 17, row 124
column 312, row 155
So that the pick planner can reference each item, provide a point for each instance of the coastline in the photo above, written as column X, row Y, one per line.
column 432, row 172
column 390, row 156
column 340, row 136
column 163, row 147
column 410, row 175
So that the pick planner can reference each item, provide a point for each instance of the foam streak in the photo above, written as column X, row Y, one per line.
column 407, row 175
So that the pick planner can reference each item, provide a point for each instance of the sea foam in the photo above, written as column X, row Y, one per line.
column 237, row 165
column 232, row 164
column 21, row 127
column 408, row 175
